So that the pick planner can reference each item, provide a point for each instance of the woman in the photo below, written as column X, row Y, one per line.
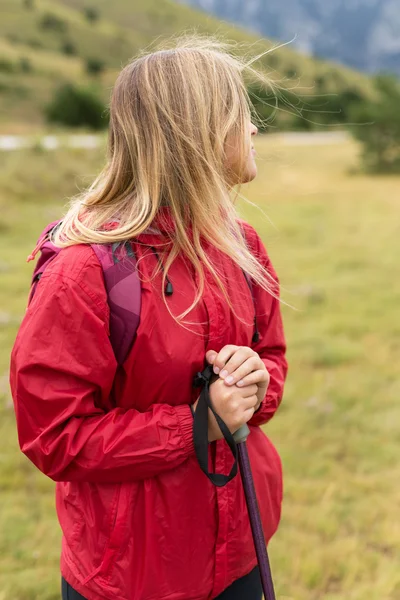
column 140, row 520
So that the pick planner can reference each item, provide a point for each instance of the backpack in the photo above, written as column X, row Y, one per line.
column 122, row 285
column 121, row 282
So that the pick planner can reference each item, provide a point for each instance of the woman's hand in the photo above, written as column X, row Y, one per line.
column 242, row 366
column 233, row 404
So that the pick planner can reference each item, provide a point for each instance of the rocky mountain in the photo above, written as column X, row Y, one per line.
column 364, row 34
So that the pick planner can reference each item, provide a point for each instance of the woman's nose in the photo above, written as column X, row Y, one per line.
column 254, row 129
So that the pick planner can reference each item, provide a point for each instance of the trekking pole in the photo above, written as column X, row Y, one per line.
column 240, row 438
column 237, row 445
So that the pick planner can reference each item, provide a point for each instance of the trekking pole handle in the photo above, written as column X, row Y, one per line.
column 241, row 434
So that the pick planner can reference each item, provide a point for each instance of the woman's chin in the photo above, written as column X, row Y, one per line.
column 250, row 174
column 245, row 176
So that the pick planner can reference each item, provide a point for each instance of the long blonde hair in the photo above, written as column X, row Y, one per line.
column 170, row 115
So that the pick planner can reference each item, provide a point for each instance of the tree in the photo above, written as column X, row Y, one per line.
column 377, row 127
column 76, row 106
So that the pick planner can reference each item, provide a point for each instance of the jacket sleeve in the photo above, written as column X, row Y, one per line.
column 272, row 345
column 62, row 371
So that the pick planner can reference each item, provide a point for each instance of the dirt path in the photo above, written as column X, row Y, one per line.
column 53, row 142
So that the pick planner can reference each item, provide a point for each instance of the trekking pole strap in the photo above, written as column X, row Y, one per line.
column 200, row 430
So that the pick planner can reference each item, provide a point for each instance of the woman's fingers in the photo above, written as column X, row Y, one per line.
column 245, row 368
column 229, row 359
column 249, row 413
column 260, row 376
column 237, row 363
column 222, row 357
column 249, row 392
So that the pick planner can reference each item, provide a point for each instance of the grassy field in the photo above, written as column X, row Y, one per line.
column 334, row 239
column 48, row 44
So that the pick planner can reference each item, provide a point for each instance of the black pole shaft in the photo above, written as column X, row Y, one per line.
column 255, row 522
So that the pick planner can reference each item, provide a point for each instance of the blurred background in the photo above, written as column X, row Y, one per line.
column 329, row 193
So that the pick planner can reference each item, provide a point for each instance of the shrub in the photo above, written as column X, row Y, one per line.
column 53, row 22
column 29, row 4
column 377, row 127
column 6, row 66
column 25, row 65
column 91, row 13
column 76, row 106
column 291, row 72
column 34, row 43
column 69, row 48
column 94, row 66
column 320, row 82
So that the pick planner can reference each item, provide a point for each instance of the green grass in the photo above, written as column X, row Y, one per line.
column 124, row 28
column 335, row 249
column 334, row 242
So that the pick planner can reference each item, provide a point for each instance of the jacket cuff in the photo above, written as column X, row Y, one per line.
column 185, row 418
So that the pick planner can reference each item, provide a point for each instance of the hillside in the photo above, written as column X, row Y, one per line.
column 46, row 42
column 363, row 34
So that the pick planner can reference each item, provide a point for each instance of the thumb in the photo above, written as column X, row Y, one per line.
column 211, row 355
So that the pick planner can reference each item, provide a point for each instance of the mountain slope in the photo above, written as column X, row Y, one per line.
column 44, row 43
column 363, row 34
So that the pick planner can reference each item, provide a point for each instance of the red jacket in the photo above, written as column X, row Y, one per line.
column 140, row 520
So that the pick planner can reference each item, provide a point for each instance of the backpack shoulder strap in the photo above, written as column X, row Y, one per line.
column 47, row 253
column 124, row 295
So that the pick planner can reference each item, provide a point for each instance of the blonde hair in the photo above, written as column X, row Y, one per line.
column 170, row 115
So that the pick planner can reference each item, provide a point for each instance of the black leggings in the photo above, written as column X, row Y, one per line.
column 246, row 588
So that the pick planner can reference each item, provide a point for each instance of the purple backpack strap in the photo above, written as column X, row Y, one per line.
column 121, row 282
column 47, row 253
column 124, row 295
